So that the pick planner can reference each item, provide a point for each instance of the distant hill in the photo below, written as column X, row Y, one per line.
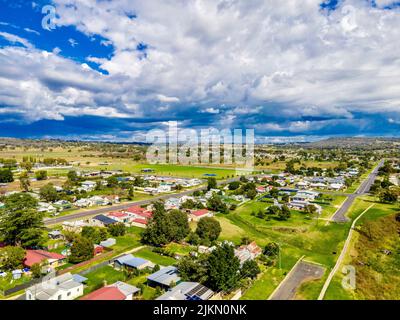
column 354, row 142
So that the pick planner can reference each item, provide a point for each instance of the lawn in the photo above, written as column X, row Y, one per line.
column 108, row 275
column 377, row 273
column 156, row 258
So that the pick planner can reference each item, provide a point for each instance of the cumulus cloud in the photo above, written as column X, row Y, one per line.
column 277, row 66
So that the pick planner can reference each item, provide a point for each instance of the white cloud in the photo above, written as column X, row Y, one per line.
column 285, row 58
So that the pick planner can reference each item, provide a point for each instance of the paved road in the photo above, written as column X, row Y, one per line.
column 340, row 215
column 302, row 272
column 90, row 213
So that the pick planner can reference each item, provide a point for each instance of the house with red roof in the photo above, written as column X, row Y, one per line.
column 117, row 291
column 138, row 216
column 52, row 259
column 121, row 217
column 196, row 215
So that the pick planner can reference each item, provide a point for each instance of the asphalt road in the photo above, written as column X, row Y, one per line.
column 302, row 272
column 94, row 212
column 340, row 215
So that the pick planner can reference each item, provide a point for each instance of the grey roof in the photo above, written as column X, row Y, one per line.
column 187, row 291
column 165, row 276
column 45, row 290
column 131, row 261
column 125, row 288
column 79, row 278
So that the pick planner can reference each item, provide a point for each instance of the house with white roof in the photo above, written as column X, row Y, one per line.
column 63, row 287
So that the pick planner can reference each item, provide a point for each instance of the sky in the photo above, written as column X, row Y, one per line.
column 293, row 70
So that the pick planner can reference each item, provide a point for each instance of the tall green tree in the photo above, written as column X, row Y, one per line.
column 49, row 193
column 41, row 175
column 20, row 222
column 208, row 229
column 81, row 250
column 6, row 176
column 24, row 181
column 11, row 258
column 179, row 225
column 211, row 183
column 223, row 268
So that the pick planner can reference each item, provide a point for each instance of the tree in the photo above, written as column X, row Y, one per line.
column 388, row 195
column 165, row 227
column 112, row 181
column 193, row 268
column 215, row 203
column 284, row 213
column 6, row 176
column 81, row 250
column 20, row 222
column 49, row 193
column 223, row 268
column 72, row 176
column 208, row 229
column 11, row 258
column 41, row 175
column 26, row 165
column 36, row 270
column 234, row 185
column 250, row 269
column 273, row 210
column 211, row 183
column 95, row 235
column 179, row 225
column 251, row 194
column 131, row 194
column 274, row 193
column 24, row 181
column 117, row 229
column 271, row 250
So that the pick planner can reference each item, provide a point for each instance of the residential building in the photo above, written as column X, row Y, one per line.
column 193, row 291
column 52, row 259
column 63, row 287
column 130, row 262
column 117, row 291
column 164, row 278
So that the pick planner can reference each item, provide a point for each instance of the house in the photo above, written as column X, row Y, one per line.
column 165, row 278
column 97, row 249
column 74, row 226
column 261, row 189
column 196, row 215
column 46, row 207
column 83, row 203
column 88, row 185
column 119, row 216
column 305, row 196
column 137, row 222
column 102, row 221
column 130, row 262
column 117, row 291
column 248, row 252
column 164, row 188
column 63, row 287
column 336, row 186
column 150, row 190
column 40, row 256
column 302, row 185
column 108, row 243
column 63, row 204
column 139, row 212
column 99, row 201
column 298, row 204
column 192, row 291
column 56, row 235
